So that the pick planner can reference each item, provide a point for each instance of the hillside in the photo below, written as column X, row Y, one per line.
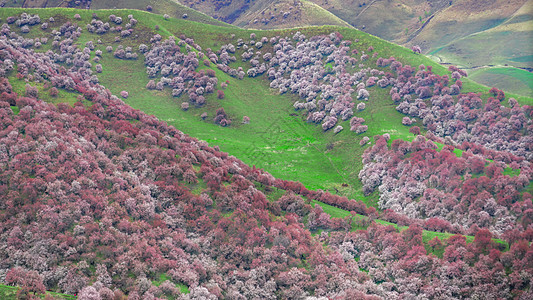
column 161, row 205
column 471, row 34
column 467, row 33
column 395, row 21
column 169, row 7
column 269, row 14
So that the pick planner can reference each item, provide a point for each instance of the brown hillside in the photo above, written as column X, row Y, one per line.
column 266, row 14
column 466, row 17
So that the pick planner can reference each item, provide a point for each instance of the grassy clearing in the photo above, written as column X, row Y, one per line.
column 10, row 293
column 164, row 277
column 506, row 78
column 19, row 86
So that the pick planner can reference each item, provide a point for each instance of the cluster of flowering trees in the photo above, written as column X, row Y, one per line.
column 104, row 196
column 403, row 268
column 90, row 197
column 177, row 69
column 463, row 117
column 316, row 70
column 451, row 193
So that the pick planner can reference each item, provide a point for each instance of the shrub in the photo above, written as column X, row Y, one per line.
column 363, row 94
column 364, row 141
column 53, row 92
column 124, row 94
column 120, row 53
column 31, row 91
column 220, row 94
column 406, row 121
column 151, row 85
column 415, row 130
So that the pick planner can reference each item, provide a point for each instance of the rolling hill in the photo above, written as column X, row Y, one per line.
column 267, row 14
column 206, row 140
column 467, row 33
column 471, row 34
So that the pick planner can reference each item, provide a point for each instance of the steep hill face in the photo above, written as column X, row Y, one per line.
column 483, row 27
column 391, row 20
column 266, row 14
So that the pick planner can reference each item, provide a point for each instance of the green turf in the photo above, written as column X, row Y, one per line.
column 164, row 277
column 161, row 7
column 15, row 109
column 506, row 78
column 10, row 293
column 63, row 96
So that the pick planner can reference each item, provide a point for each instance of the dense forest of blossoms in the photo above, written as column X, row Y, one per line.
column 103, row 200
column 449, row 193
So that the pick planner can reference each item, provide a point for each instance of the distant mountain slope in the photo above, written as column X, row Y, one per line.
column 170, row 7
column 393, row 21
column 467, row 17
column 480, row 32
column 266, row 14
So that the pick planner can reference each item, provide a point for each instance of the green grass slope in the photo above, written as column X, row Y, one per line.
column 506, row 78
column 171, row 7
column 10, row 292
